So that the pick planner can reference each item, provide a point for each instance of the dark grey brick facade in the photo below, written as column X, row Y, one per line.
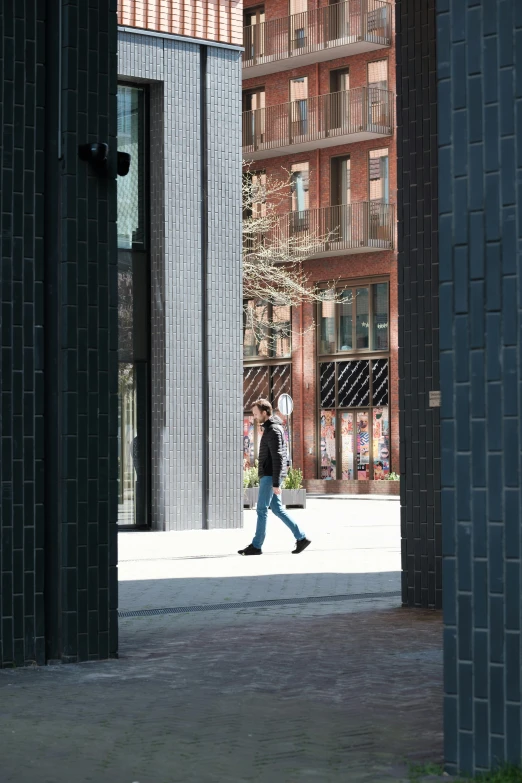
column 480, row 202
column 58, row 333
column 22, row 53
column 418, row 304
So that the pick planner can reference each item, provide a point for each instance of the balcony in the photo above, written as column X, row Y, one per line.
column 323, row 121
column 361, row 227
column 337, row 30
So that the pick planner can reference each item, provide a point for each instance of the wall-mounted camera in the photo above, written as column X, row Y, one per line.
column 97, row 154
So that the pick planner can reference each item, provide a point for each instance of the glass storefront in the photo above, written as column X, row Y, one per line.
column 133, row 314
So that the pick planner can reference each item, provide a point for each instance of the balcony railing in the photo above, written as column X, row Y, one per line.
column 361, row 113
column 348, row 228
column 365, row 24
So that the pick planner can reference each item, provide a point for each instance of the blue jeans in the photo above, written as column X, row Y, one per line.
column 267, row 500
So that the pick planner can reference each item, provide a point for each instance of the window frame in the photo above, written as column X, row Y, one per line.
column 144, row 159
column 377, row 60
column 272, row 359
column 343, row 286
column 376, row 200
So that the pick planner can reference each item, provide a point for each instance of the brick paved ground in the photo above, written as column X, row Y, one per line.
column 334, row 691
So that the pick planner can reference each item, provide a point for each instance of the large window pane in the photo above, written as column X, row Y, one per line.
column 363, row 446
column 380, row 326
column 131, row 201
column 347, row 441
column 346, row 321
column 327, row 325
column 281, row 330
column 133, row 314
column 255, row 385
column 363, row 319
column 327, row 383
column 381, row 443
column 379, row 176
column 328, row 458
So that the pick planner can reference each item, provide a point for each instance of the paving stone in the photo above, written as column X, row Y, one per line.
column 336, row 692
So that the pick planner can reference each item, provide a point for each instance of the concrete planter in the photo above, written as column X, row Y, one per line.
column 250, row 496
column 294, row 497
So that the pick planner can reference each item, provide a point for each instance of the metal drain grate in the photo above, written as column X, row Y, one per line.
column 254, row 604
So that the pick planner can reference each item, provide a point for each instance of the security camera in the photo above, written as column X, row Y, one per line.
column 95, row 153
column 123, row 166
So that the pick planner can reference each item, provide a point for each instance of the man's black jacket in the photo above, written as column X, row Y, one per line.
column 273, row 459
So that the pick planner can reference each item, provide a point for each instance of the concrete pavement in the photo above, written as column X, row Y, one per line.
column 346, row 686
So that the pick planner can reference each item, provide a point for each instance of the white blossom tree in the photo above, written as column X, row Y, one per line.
column 273, row 254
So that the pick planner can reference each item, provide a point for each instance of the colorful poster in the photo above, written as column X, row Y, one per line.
column 347, row 445
column 381, row 443
column 248, row 442
column 328, row 458
column 363, row 446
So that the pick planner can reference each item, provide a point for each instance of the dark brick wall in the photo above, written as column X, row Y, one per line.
column 58, row 332
column 22, row 53
column 480, row 200
column 418, row 272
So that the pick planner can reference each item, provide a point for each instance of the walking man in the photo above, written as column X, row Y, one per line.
column 273, row 462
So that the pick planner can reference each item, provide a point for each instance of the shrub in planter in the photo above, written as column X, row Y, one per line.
column 250, row 487
column 392, row 477
column 293, row 493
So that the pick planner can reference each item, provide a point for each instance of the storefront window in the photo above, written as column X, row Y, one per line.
column 354, row 428
column 328, row 445
column 347, row 445
column 381, row 443
column 363, row 446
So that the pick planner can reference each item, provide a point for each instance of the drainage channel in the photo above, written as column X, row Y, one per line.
column 254, row 604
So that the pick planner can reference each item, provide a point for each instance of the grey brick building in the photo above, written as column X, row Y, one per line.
column 179, row 217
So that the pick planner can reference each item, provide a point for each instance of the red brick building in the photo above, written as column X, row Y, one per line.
column 319, row 102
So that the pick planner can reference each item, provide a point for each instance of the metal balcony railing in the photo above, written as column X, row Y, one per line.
column 363, row 110
column 356, row 227
column 318, row 29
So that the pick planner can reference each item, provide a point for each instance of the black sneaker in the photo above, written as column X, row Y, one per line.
column 300, row 545
column 250, row 550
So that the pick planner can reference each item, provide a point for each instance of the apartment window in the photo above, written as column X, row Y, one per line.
column 357, row 321
column 299, row 106
column 254, row 32
column 299, row 185
column 298, row 24
column 378, row 74
column 340, row 80
column 253, row 117
column 255, row 182
column 379, row 176
column 266, row 330
column 340, row 180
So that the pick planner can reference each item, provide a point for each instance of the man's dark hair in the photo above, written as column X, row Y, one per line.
column 263, row 405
